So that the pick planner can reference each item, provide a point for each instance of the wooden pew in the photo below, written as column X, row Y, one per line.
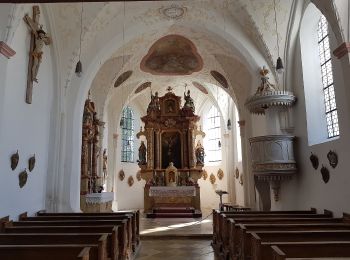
column 217, row 213
column 132, row 230
column 244, row 231
column 124, row 223
column 290, row 250
column 135, row 219
column 261, row 241
column 227, row 226
column 233, row 242
column 44, row 252
column 116, row 247
column 99, row 253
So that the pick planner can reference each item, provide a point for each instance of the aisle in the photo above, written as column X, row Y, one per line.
column 176, row 238
column 176, row 249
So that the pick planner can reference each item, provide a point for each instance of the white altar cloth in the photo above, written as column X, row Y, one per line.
column 181, row 191
column 98, row 198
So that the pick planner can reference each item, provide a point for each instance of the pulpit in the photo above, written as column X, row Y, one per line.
column 174, row 161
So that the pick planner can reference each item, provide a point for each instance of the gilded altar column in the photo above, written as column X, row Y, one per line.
column 191, row 145
column 150, row 142
column 157, row 156
column 94, row 163
column 184, row 154
column 84, row 163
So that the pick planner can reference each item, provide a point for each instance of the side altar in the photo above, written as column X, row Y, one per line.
column 171, row 162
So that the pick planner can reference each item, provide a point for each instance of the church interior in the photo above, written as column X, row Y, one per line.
column 203, row 129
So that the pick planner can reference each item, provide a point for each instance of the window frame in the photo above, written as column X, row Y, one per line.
column 327, row 79
column 127, row 136
column 213, row 124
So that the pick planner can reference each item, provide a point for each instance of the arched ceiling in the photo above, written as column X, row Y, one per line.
column 233, row 37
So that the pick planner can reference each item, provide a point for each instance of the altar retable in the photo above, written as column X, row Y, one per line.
column 173, row 165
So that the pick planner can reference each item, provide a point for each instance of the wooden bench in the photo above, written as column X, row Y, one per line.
column 116, row 247
column 217, row 213
column 245, row 230
column 235, row 242
column 227, row 223
column 62, row 239
column 125, row 228
column 288, row 250
column 261, row 241
column 45, row 252
column 131, row 224
column 135, row 219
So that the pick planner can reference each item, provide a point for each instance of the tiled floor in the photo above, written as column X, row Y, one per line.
column 175, row 249
column 176, row 239
column 177, row 226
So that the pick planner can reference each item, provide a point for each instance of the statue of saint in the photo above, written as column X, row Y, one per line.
column 154, row 104
column 104, row 167
column 200, row 153
column 189, row 101
column 142, row 154
column 265, row 85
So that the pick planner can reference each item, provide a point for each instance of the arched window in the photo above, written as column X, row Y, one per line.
column 127, row 125
column 213, row 137
column 316, row 38
column 327, row 78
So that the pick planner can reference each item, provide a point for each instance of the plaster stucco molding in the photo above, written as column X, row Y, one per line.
column 273, row 154
column 258, row 103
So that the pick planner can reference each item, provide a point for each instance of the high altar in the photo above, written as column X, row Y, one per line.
column 171, row 163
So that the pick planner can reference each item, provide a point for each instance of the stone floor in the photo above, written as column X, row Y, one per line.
column 176, row 238
column 171, row 227
column 176, row 249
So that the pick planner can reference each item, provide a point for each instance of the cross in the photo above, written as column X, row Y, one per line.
column 169, row 89
column 38, row 39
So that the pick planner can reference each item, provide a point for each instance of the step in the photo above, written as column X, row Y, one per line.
column 174, row 215
column 174, row 210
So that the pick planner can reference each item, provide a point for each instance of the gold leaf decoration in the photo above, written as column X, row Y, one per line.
column 205, row 175
column 220, row 174
column 212, row 178
column 121, row 175
column 22, row 177
column 130, row 181
column 14, row 160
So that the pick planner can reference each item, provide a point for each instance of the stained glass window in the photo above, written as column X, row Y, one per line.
column 127, row 125
column 327, row 78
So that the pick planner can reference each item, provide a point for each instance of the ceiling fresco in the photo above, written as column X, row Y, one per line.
column 172, row 55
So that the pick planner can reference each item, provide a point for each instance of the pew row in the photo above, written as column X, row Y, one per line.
column 290, row 250
column 131, row 222
column 135, row 220
column 97, row 253
column 245, row 230
column 45, row 252
column 262, row 241
column 115, row 246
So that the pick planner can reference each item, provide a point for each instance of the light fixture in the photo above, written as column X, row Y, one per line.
column 79, row 66
column 229, row 125
column 279, row 63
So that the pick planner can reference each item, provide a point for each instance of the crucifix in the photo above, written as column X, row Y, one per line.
column 39, row 38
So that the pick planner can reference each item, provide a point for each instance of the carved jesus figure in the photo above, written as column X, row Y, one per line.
column 40, row 39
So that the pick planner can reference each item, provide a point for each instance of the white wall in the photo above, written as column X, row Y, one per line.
column 308, row 189
column 25, row 127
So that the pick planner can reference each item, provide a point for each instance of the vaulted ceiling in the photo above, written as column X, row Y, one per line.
column 233, row 37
